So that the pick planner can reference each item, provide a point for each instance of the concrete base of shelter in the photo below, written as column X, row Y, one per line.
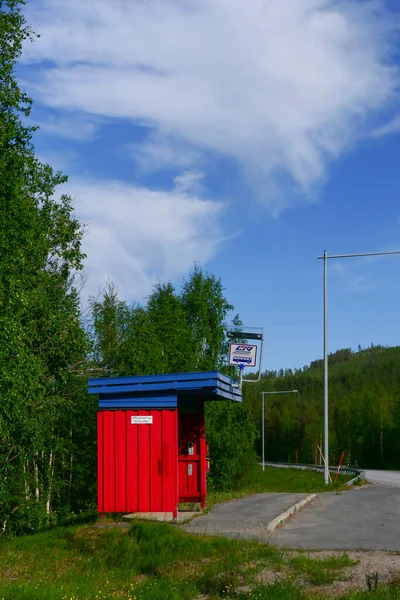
column 162, row 516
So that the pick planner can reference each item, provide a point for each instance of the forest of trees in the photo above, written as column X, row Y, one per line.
column 42, row 341
column 48, row 351
column 364, row 409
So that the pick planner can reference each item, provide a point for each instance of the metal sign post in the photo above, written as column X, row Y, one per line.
column 325, row 258
column 242, row 354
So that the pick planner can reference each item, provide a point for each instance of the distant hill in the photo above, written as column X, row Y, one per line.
column 348, row 361
column 364, row 408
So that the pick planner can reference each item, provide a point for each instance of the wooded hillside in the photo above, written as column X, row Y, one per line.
column 364, row 409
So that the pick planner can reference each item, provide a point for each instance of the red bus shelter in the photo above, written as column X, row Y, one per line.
column 152, row 451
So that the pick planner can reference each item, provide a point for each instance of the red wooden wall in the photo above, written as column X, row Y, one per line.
column 137, row 463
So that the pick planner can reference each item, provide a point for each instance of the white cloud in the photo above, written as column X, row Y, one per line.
column 158, row 152
column 364, row 273
column 71, row 128
column 280, row 86
column 189, row 181
column 136, row 235
column 390, row 128
column 354, row 277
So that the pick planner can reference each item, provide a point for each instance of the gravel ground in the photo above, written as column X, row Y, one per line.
column 377, row 568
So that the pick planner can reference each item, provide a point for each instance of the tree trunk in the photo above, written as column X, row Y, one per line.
column 26, row 483
column 36, row 472
column 70, row 468
column 50, row 477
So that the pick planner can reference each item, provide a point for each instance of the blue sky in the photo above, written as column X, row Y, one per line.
column 245, row 136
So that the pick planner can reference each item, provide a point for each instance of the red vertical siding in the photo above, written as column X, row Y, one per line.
column 144, row 463
column 108, row 461
column 137, row 463
column 170, row 435
column 132, row 462
column 120, row 462
column 155, row 462
column 100, row 500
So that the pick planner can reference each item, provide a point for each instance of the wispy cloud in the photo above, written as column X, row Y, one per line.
column 189, row 181
column 390, row 128
column 364, row 273
column 162, row 152
column 353, row 278
column 69, row 127
column 282, row 87
column 136, row 235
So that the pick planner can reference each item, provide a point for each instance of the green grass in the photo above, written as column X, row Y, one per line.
column 387, row 592
column 320, row 571
column 151, row 560
column 157, row 561
column 273, row 479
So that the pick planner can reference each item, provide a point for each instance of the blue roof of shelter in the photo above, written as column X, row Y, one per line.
column 162, row 391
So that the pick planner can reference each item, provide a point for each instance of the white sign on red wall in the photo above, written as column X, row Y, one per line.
column 146, row 420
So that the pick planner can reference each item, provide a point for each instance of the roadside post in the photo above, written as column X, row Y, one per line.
column 325, row 258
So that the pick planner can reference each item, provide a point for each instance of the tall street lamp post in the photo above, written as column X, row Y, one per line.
column 263, row 413
column 325, row 258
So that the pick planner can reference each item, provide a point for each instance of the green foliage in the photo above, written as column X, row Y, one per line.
column 206, row 308
column 173, row 332
column 110, row 324
column 231, row 437
column 42, row 342
column 364, row 409
column 171, row 325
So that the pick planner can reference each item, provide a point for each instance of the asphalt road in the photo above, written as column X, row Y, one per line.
column 390, row 478
column 246, row 518
column 365, row 518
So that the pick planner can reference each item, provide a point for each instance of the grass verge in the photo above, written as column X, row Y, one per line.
column 149, row 561
column 320, row 571
column 276, row 480
column 158, row 561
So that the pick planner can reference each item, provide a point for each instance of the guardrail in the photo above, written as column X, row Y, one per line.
column 358, row 473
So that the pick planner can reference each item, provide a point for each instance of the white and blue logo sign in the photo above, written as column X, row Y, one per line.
column 242, row 354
